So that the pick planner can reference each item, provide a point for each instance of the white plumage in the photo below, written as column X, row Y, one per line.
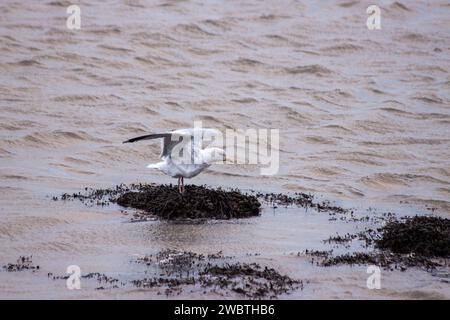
column 190, row 141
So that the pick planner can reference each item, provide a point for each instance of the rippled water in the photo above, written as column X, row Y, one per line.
column 363, row 116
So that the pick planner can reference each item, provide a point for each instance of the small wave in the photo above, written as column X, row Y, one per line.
column 404, row 141
column 203, row 52
column 326, row 172
column 27, row 63
column 226, row 174
column 245, row 100
column 294, row 115
column 348, row 4
column 396, row 179
column 212, row 121
column 60, row 3
column 342, row 48
column 4, row 152
column 86, row 98
column 14, row 177
column 9, row 38
column 319, row 140
column 106, row 30
column 160, row 38
column 337, row 128
column 360, row 160
column 414, row 37
column 398, row 112
column 445, row 191
column 442, row 205
column 314, row 69
column 220, row 24
column 76, row 97
column 398, row 6
column 55, row 138
column 116, row 49
column 134, row 4
column 408, row 141
column 156, row 61
column 276, row 37
column 192, row 29
column 245, row 62
column 77, row 160
column 377, row 91
column 271, row 17
column 433, row 99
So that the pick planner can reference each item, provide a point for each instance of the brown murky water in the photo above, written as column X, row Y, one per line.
column 363, row 116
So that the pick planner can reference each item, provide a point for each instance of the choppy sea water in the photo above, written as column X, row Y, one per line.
column 363, row 117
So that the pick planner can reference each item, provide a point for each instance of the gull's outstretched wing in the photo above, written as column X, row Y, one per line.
column 148, row 137
column 171, row 139
column 167, row 143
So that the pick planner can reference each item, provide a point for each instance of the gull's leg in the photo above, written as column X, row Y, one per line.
column 182, row 184
column 179, row 186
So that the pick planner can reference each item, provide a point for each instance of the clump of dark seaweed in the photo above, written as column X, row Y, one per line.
column 176, row 270
column 300, row 199
column 419, row 241
column 101, row 197
column 165, row 201
column 196, row 202
column 348, row 237
column 23, row 263
column 387, row 260
column 250, row 280
column 420, row 235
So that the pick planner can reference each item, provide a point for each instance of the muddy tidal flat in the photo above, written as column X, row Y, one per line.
column 191, row 253
column 363, row 179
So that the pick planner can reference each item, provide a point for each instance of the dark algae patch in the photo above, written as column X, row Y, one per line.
column 165, row 201
column 250, row 280
column 176, row 271
column 196, row 202
column 171, row 272
column 387, row 260
column 22, row 263
column 303, row 200
column 426, row 236
column 419, row 241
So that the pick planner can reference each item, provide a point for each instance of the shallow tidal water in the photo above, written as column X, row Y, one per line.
column 363, row 116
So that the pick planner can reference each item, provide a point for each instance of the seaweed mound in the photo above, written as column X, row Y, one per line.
column 175, row 270
column 196, row 202
column 426, row 236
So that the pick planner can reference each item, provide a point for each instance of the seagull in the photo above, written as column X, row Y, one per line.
column 200, row 158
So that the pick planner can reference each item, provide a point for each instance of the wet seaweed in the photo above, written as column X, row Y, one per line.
column 419, row 241
column 22, row 263
column 177, row 270
column 421, row 235
column 196, row 202
column 166, row 202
